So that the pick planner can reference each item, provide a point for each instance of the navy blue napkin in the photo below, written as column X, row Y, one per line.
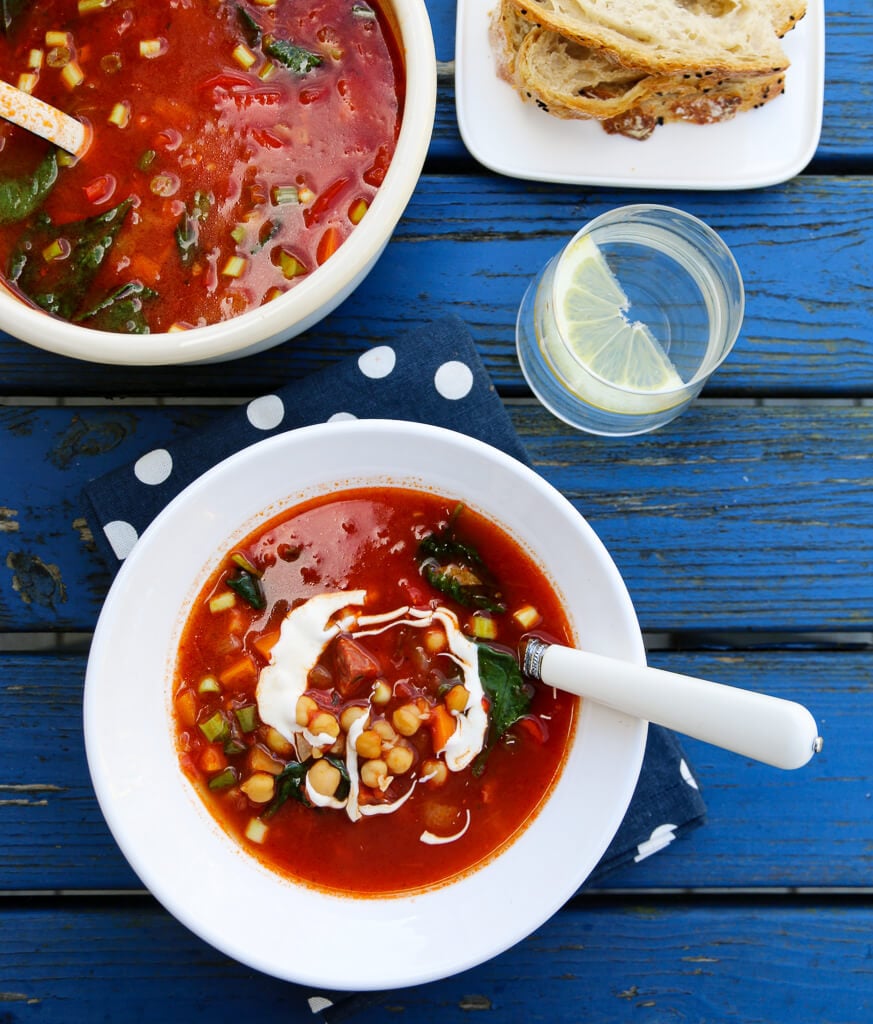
column 432, row 375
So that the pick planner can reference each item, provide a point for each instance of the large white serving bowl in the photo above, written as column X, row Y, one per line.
column 307, row 302
column 194, row 868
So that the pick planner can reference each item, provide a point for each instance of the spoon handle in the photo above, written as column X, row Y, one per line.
column 42, row 119
column 769, row 729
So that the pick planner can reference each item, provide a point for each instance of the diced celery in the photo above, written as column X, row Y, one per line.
column 224, row 779
column 281, row 194
column 234, row 267
column 483, row 626
column 209, row 684
column 221, row 602
column 247, row 717
column 72, row 75
column 215, row 728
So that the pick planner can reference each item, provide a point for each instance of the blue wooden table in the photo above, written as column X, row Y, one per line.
column 744, row 531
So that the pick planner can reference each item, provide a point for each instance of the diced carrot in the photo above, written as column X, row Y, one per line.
column 242, row 672
column 266, row 642
column 328, row 244
column 442, row 725
column 212, row 759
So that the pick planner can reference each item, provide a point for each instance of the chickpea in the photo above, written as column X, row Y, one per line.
column 381, row 692
column 385, row 730
column 375, row 773
column 350, row 715
column 324, row 777
column 259, row 787
column 324, row 722
column 278, row 744
column 260, row 761
column 306, row 708
column 457, row 697
column 407, row 719
column 437, row 771
column 399, row 760
column 369, row 744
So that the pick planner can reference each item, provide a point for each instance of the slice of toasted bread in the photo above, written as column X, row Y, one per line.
column 667, row 36
column 570, row 81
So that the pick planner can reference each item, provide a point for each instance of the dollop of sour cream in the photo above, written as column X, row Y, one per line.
column 305, row 633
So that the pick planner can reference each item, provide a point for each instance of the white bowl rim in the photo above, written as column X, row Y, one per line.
column 249, row 332
column 184, row 891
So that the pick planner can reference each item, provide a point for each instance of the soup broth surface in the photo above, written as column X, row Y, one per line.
column 235, row 146
column 348, row 701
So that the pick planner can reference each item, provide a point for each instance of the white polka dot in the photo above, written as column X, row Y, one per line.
column 378, row 362
column 661, row 837
column 154, row 467
column 122, row 536
column 453, row 380
column 266, row 412
column 685, row 772
column 338, row 417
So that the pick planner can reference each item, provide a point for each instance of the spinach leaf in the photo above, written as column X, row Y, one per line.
column 456, row 569
column 59, row 286
column 9, row 12
column 293, row 57
column 251, row 29
column 248, row 587
column 508, row 693
column 19, row 197
column 289, row 783
column 342, row 790
column 188, row 229
column 121, row 310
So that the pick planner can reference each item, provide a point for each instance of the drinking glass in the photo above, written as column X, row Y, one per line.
column 670, row 298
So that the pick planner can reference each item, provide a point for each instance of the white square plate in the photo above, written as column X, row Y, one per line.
column 757, row 148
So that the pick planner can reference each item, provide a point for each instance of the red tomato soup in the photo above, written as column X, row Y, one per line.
column 235, row 146
column 348, row 700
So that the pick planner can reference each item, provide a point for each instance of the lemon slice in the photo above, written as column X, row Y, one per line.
column 591, row 313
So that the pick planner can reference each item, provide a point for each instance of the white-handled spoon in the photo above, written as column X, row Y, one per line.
column 776, row 731
column 44, row 120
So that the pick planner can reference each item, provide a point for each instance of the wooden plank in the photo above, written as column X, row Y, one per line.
column 765, row 828
column 469, row 245
column 604, row 963
column 716, row 521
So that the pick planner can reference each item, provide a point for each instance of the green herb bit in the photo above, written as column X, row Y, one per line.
column 215, row 728
column 19, row 197
column 121, row 310
column 508, row 694
column 247, row 717
column 233, row 747
column 146, row 160
column 250, row 28
column 290, row 782
column 224, row 780
column 456, row 569
column 293, row 57
column 248, row 587
column 188, row 229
